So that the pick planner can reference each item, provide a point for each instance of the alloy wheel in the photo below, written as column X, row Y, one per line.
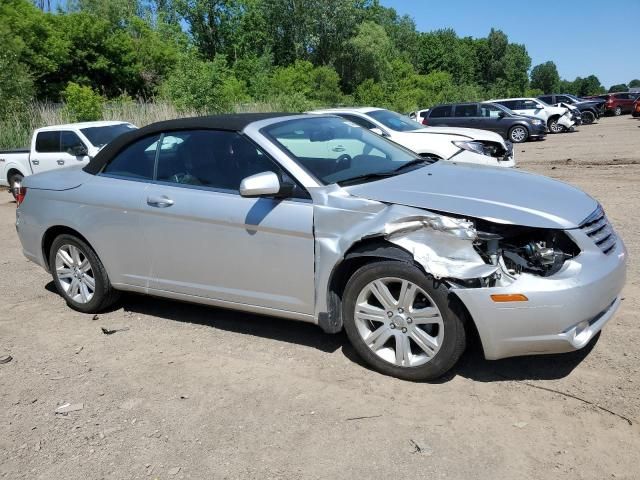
column 75, row 274
column 518, row 134
column 555, row 127
column 399, row 322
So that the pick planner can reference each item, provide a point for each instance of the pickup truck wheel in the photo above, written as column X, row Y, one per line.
column 518, row 134
column 618, row 111
column 80, row 276
column 401, row 322
column 15, row 181
column 588, row 118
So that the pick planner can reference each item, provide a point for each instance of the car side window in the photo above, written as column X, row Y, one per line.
column 549, row 99
column 465, row 111
column 48, row 142
column 136, row 161
column 363, row 122
column 529, row 105
column 563, row 98
column 213, row 158
column 489, row 111
column 69, row 141
column 440, row 112
column 512, row 104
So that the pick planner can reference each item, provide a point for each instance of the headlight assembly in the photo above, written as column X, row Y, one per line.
column 472, row 146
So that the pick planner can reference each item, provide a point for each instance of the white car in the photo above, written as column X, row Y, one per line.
column 464, row 145
column 557, row 119
column 58, row 146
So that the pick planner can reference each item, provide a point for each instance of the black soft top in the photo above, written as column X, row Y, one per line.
column 232, row 123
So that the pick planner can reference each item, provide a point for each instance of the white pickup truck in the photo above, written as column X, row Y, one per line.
column 58, row 146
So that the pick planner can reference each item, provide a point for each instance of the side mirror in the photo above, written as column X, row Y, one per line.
column 501, row 114
column 265, row 184
column 79, row 151
column 539, row 106
column 379, row 131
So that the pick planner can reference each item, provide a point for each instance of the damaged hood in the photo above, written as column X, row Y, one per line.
column 497, row 195
column 469, row 133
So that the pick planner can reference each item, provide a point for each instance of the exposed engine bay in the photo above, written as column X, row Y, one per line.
column 524, row 249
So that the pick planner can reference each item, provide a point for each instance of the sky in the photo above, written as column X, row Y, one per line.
column 582, row 37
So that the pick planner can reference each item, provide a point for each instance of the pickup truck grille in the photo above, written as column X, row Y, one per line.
column 597, row 227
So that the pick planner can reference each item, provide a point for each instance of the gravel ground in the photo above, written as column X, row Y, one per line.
column 194, row 392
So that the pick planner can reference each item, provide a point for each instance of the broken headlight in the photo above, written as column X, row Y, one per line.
column 490, row 149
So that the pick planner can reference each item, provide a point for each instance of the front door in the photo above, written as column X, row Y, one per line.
column 55, row 149
column 208, row 241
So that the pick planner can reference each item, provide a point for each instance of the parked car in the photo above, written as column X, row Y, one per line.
column 557, row 119
column 636, row 108
column 463, row 145
column 253, row 212
column 55, row 147
column 590, row 110
column 617, row 103
column 419, row 115
column 488, row 116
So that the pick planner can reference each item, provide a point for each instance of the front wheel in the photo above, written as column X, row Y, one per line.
column 588, row 118
column 402, row 322
column 518, row 134
column 79, row 275
column 554, row 126
column 15, row 182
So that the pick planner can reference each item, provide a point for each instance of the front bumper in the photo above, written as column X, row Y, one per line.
column 566, row 122
column 564, row 311
column 465, row 156
column 538, row 131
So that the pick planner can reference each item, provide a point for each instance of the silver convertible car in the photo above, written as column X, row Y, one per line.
column 314, row 218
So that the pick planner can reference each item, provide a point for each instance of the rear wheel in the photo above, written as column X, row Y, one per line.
column 15, row 182
column 618, row 111
column 518, row 134
column 401, row 322
column 79, row 275
column 588, row 117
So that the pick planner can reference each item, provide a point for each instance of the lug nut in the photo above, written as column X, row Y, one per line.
column 409, row 320
column 400, row 310
column 389, row 314
column 404, row 329
column 393, row 325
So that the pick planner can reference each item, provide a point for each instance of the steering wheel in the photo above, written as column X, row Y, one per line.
column 178, row 177
column 344, row 159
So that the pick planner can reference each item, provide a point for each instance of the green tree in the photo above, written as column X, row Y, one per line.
column 516, row 66
column 204, row 86
column 545, row 77
column 621, row 87
column 82, row 104
column 635, row 83
column 367, row 55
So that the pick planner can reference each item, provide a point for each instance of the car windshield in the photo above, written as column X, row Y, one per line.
column 335, row 150
column 100, row 136
column 395, row 121
column 574, row 98
column 499, row 106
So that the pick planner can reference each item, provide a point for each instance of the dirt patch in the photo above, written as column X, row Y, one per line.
column 195, row 392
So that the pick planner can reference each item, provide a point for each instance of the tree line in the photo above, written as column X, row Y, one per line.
column 212, row 55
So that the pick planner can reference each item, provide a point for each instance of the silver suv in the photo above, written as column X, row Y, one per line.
column 314, row 218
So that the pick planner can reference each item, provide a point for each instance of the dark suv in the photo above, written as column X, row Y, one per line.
column 590, row 110
column 487, row 116
column 617, row 103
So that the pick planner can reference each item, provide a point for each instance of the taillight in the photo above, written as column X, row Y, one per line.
column 21, row 192
column 424, row 121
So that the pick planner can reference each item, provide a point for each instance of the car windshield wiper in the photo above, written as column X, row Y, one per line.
column 411, row 163
column 391, row 173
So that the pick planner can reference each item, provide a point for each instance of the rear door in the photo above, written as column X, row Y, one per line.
column 440, row 116
column 54, row 149
column 465, row 115
column 208, row 241
column 490, row 119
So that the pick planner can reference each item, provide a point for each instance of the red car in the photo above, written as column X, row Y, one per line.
column 636, row 108
column 618, row 103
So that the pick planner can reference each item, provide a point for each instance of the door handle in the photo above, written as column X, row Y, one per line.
column 339, row 148
column 160, row 202
column 60, row 162
column 35, row 162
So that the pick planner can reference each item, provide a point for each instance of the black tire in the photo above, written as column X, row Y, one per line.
column 104, row 294
column 553, row 126
column 588, row 117
column 618, row 111
column 454, row 338
column 15, row 179
column 515, row 137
